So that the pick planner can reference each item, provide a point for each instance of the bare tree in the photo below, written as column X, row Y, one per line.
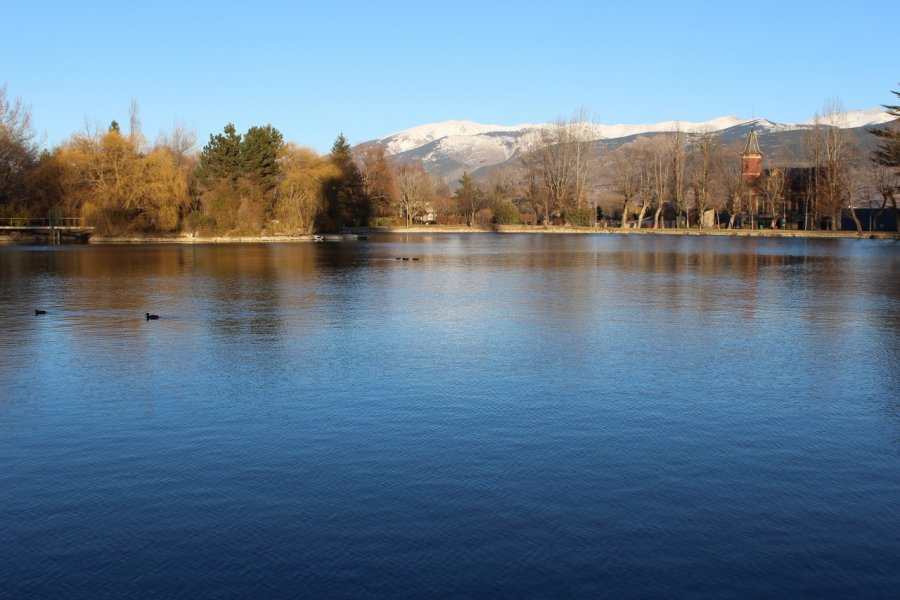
column 813, row 143
column 415, row 189
column 885, row 183
column 678, row 189
column 534, row 189
column 625, row 169
column 731, row 181
column 704, row 153
column 378, row 180
column 181, row 141
column 567, row 159
column 836, row 148
column 660, row 174
column 773, row 185
column 18, row 148
column 856, row 183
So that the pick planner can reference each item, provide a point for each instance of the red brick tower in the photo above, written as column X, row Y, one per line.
column 751, row 160
column 751, row 171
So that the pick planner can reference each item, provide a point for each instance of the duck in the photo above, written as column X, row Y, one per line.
column 38, row 311
column 151, row 317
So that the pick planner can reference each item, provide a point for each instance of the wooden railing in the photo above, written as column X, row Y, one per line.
column 74, row 222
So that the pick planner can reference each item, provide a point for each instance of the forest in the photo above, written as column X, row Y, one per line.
column 256, row 183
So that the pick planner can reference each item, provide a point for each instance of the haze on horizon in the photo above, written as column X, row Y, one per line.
column 367, row 70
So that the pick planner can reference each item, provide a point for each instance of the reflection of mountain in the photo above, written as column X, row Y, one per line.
column 448, row 149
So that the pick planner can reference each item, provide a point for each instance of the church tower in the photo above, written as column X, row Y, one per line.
column 751, row 171
column 751, row 160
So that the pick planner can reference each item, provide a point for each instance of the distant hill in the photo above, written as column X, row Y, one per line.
column 450, row 148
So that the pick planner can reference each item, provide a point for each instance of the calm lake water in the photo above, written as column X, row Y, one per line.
column 509, row 416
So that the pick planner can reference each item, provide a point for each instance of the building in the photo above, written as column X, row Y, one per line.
column 751, row 173
column 785, row 198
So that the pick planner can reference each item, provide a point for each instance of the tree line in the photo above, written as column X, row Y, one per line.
column 256, row 183
column 694, row 179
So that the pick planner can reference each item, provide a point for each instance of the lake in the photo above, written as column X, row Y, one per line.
column 508, row 416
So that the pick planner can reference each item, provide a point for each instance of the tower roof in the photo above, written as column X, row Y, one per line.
column 752, row 146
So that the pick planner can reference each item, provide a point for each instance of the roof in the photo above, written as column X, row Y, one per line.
column 752, row 146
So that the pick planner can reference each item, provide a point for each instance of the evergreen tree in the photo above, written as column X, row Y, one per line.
column 888, row 152
column 348, row 204
column 259, row 155
column 221, row 157
column 470, row 197
column 341, row 146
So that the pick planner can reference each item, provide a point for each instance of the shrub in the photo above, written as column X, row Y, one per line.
column 381, row 221
column 506, row 213
column 484, row 217
column 579, row 218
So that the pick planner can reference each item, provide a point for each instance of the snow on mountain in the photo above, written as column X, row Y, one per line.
column 610, row 132
column 415, row 137
column 857, row 118
column 450, row 148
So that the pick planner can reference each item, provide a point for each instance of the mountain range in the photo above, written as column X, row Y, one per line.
column 450, row 148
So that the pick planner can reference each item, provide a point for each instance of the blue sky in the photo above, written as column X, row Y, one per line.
column 315, row 69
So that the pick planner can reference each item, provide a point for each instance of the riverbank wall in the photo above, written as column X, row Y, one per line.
column 501, row 229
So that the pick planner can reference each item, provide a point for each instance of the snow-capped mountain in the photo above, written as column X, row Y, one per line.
column 856, row 118
column 452, row 147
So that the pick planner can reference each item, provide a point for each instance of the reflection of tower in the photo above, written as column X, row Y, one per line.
column 751, row 171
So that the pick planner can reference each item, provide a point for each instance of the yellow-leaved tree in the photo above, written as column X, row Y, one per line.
column 301, row 198
column 118, row 187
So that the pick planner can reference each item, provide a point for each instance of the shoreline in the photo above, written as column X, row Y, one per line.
column 501, row 229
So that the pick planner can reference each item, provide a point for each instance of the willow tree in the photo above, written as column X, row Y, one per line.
column 117, row 186
column 301, row 188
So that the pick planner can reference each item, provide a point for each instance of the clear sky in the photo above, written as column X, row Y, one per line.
column 315, row 69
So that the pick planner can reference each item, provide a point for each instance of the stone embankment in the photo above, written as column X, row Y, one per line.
column 790, row 233
column 433, row 229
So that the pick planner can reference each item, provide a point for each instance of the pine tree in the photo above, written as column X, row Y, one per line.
column 888, row 152
column 259, row 155
column 348, row 204
column 470, row 197
column 221, row 157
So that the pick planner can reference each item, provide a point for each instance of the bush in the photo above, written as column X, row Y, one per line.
column 451, row 219
column 506, row 213
column 195, row 221
column 484, row 217
column 381, row 221
column 579, row 218
column 529, row 218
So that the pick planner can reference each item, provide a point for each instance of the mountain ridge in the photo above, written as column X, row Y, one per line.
column 449, row 148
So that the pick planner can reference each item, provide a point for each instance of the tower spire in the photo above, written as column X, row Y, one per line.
column 752, row 146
